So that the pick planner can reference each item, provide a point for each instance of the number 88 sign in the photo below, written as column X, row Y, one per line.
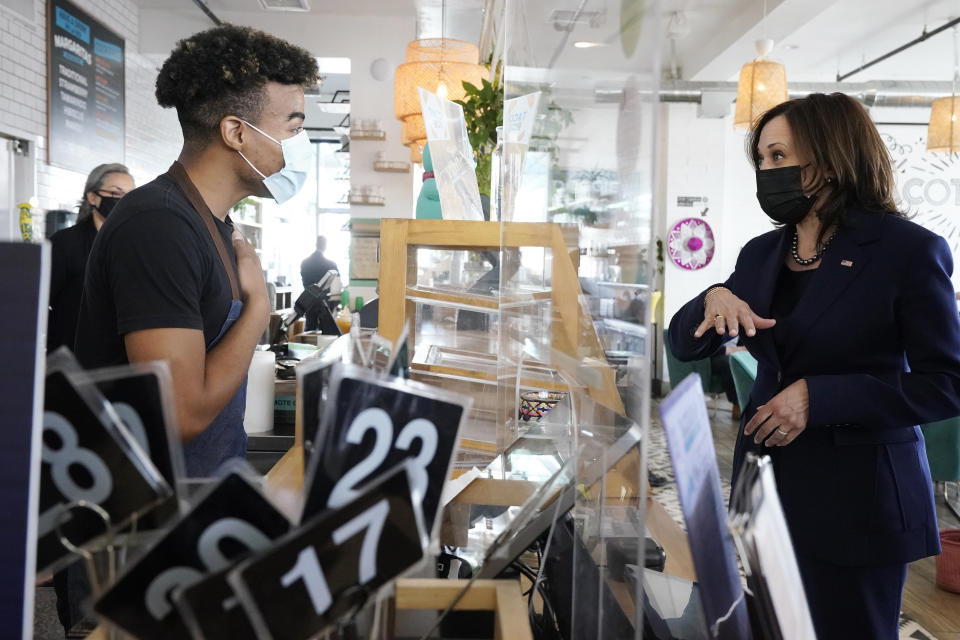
column 370, row 425
column 85, row 458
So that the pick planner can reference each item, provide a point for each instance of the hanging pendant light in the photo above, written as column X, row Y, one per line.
column 439, row 65
column 416, row 153
column 762, row 84
column 943, row 131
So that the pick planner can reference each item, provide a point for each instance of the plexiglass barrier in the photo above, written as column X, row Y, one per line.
column 572, row 319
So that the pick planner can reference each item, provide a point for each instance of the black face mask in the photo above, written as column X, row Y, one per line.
column 780, row 193
column 106, row 205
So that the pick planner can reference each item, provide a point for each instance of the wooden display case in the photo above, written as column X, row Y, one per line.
column 467, row 360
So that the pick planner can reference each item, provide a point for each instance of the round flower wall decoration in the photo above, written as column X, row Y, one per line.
column 691, row 244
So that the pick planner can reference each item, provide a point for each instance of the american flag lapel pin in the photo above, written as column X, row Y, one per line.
column 846, row 263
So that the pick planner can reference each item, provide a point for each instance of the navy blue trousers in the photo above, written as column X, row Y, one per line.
column 853, row 602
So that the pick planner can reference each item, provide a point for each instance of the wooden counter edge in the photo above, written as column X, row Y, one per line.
column 503, row 597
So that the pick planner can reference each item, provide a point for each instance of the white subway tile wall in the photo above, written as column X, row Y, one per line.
column 153, row 137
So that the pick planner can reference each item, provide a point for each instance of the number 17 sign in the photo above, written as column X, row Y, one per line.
column 331, row 565
column 371, row 424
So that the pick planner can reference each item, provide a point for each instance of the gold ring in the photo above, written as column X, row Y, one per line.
column 782, row 432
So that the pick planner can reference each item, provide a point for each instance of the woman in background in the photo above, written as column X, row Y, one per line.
column 106, row 184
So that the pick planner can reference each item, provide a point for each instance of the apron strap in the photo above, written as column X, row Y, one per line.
column 179, row 175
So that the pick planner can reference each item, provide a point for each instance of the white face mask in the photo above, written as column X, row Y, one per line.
column 297, row 160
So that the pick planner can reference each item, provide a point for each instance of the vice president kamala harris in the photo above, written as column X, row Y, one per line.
column 849, row 309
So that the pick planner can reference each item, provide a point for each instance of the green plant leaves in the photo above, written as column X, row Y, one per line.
column 483, row 113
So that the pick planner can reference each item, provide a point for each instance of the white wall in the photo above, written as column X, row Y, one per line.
column 152, row 134
column 363, row 39
column 706, row 157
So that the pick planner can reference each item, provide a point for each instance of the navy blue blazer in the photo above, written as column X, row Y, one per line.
column 876, row 336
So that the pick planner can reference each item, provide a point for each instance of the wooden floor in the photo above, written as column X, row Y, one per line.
column 936, row 610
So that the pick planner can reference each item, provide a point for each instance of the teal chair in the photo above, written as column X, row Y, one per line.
column 943, row 453
column 743, row 366
column 678, row 370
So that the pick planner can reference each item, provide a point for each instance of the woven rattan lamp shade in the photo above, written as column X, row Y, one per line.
column 430, row 62
column 413, row 130
column 762, row 86
column 416, row 153
column 943, row 132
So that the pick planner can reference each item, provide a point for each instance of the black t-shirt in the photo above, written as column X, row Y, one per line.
column 153, row 265
column 68, row 261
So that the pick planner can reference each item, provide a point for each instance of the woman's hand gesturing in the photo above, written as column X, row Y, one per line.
column 781, row 420
column 726, row 313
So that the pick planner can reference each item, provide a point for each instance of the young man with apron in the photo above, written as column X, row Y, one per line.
column 168, row 277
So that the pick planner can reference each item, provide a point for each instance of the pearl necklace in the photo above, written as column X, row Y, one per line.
column 806, row 262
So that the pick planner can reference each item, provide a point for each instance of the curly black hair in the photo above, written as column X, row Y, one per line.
column 223, row 71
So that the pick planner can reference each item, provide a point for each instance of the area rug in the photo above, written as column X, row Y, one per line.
column 658, row 462
column 910, row 630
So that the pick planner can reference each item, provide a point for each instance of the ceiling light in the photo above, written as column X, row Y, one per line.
column 437, row 65
column 762, row 84
column 566, row 20
column 285, row 5
column 943, row 134
column 583, row 44
column 678, row 27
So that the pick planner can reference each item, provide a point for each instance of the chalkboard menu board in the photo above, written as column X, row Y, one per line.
column 85, row 105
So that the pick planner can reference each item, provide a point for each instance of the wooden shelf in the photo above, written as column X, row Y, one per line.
column 472, row 301
column 503, row 597
column 368, row 201
column 391, row 166
column 368, row 135
column 573, row 338
column 466, row 374
column 451, row 299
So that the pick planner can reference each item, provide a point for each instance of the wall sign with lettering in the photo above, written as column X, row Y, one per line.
column 84, row 457
column 364, row 257
column 231, row 521
column 927, row 184
column 85, row 80
column 371, row 424
column 335, row 561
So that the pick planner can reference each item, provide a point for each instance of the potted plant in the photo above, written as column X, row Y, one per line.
column 483, row 113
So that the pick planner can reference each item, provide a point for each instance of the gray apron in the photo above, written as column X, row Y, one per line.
column 225, row 438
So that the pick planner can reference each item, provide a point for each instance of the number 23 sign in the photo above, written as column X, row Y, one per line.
column 374, row 423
